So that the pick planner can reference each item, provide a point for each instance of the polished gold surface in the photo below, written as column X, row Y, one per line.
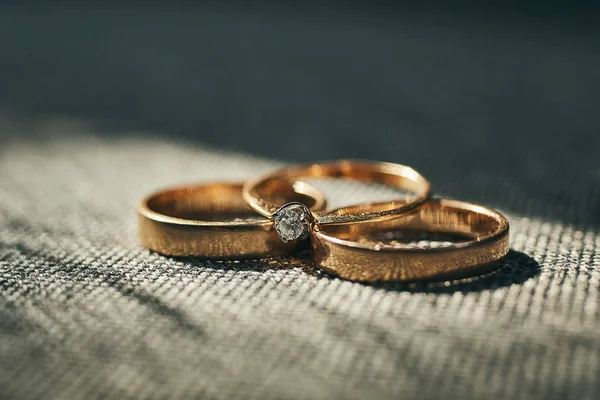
column 344, row 250
column 214, row 221
column 395, row 175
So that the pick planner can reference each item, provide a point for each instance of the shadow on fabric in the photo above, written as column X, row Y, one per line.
column 516, row 269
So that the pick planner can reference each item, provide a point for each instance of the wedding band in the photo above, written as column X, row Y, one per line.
column 293, row 220
column 211, row 221
column 339, row 250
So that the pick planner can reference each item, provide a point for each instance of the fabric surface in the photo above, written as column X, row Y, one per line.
column 86, row 312
column 496, row 109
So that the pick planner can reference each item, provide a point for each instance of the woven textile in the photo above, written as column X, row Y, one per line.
column 86, row 312
column 493, row 108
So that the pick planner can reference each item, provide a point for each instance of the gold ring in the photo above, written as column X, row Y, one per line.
column 339, row 250
column 294, row 220
column 182, row 221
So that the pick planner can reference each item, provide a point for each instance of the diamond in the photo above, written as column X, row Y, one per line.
column 291, row 221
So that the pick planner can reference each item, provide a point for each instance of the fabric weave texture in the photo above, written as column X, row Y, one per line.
column 492, row 106
column 86, row 312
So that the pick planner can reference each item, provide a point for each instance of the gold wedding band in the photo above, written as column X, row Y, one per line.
column 344, row 250
column 359, row 243
column 293, row 220
column 212, row 221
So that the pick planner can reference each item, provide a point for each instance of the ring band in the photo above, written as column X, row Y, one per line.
column 338, row 251
column 395, row 175
column 181, row 221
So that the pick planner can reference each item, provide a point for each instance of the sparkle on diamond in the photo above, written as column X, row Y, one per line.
column 290, row 222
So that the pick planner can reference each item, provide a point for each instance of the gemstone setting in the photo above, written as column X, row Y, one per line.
column 291, row 221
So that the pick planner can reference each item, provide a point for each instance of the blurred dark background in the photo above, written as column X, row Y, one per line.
column 494, row 102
